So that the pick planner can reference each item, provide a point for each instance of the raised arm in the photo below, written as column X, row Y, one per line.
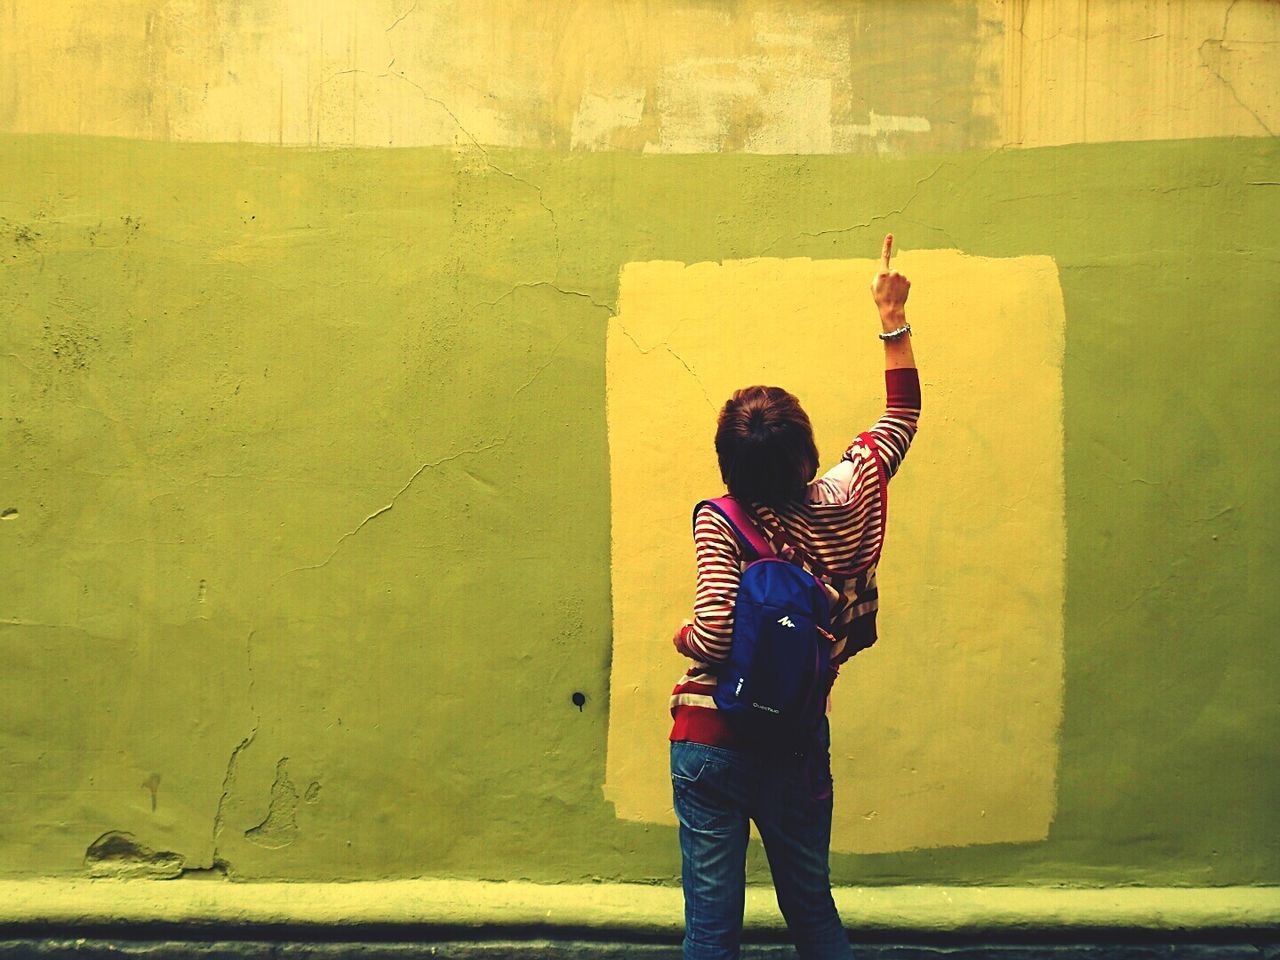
column 896, row 428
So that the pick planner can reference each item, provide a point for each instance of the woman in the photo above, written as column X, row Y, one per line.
column 833, row 526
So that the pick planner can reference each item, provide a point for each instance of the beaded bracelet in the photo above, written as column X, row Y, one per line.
column 905, row 328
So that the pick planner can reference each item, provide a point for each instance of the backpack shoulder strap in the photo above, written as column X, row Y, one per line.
column 744, row 527
column 869, row 441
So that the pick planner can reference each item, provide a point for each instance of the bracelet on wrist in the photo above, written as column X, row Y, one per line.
column 895, row 334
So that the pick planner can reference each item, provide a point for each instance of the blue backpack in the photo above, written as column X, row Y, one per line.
column 773, row 685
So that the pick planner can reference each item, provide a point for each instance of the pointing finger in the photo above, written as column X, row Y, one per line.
column 888, row 250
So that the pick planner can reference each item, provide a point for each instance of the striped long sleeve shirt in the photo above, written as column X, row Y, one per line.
column 840, row 523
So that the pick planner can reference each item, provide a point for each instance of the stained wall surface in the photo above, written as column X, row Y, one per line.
column 346, row 345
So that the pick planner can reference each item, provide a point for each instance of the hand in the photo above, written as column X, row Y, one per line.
column 675, row 641
column 890, row 289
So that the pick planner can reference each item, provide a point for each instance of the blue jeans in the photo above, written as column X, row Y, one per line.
column 789, row 797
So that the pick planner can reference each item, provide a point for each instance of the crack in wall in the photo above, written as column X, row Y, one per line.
column 400, row 19
column 484, row 153
column 266, row 833
column 383, row 509
column 665, row 346
column 1219, row 43
column 555, row 353
column 951, row 241
column 547, row 283
column 698, row 380
column 228, row 781
column 860, row 226
column 267, row 837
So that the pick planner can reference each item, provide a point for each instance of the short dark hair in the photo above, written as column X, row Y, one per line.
column 764, row 443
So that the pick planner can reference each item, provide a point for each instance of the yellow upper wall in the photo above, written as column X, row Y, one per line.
column 1081, row 72
column 642, row 75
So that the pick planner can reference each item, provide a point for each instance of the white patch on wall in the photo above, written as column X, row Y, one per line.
column 797, row 119
column 882, row 123
column 774, row 94
column 877, row 125
column 782, row 30
column 599, row 115
column 698, row 101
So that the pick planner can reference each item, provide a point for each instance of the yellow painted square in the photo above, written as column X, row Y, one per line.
column 946, row 732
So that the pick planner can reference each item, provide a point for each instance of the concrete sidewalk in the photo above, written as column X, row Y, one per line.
column 623, row 909
column 477, row 920
column 84, row 948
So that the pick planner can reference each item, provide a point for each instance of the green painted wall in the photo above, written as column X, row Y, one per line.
column 305, row 491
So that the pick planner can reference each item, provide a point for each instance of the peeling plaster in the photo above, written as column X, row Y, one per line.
column 119, row 856
column 280, row 827
column 228, row 783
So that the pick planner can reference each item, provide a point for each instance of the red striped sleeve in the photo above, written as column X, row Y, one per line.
column 897, row 428
column 718, row 574
column 849, row 480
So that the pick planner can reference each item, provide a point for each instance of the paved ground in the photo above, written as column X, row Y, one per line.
column 83, row 948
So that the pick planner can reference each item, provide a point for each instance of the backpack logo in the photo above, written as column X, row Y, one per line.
column 787, row 622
